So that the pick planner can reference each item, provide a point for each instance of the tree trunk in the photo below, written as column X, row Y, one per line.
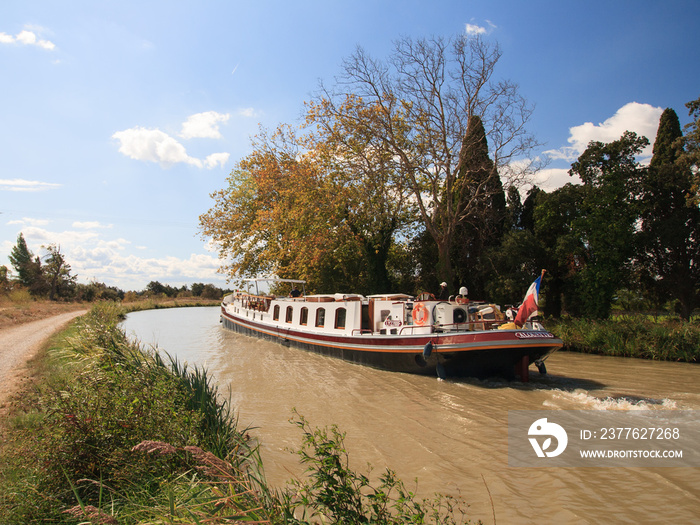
column 444, row 265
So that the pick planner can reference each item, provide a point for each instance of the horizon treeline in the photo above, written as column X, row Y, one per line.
column 406, row 173
column 50, row 277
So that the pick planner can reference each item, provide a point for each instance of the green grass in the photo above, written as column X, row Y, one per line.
column 632, row 336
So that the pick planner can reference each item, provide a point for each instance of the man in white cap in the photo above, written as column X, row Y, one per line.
column 462, row 298
column 443, row 295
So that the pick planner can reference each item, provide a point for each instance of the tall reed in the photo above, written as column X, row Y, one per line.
column 632, row 336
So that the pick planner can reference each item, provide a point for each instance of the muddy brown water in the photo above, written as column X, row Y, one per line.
column 452, row 435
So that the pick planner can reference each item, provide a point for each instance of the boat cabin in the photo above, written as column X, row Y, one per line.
column 352, row 314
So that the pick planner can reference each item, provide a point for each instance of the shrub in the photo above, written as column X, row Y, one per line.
column 20, row 296
column 335, row 494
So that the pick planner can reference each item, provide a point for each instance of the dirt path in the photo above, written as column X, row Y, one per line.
column 20, row 343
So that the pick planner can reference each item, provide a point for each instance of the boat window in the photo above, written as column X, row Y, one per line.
column 290, row 314
column 320, row 317
column 276, row 313
column 304, row 316
column 340, row 318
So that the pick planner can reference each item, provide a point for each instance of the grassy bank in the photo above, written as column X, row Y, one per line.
column 632, row 336
column 115, row 434
column 154, row 304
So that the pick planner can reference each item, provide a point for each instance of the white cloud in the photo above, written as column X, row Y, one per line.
column 643, row 119
column 90, row 225
column 247, row 112
column 475, row 30
column 216, row 159
column 552, row 178
column 27, row 38
column 203, row 125
column 26, row 185
column 154, row 146
column 29, row 221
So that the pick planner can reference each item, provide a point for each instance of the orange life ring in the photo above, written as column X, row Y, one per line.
column 420, row 314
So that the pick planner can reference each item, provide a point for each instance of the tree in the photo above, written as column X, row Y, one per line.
column 158, row 288
column 4, row 281
column 418, row 104
column 21, row 259
column 690, row 157
column 371, row 192
column 209, row 291
column 307, row 208
column 28, row 267
column 605, row 221
column 514, row 207
column 482, row 211
column 669, row 236
column 280, row 216
column 543, row 241
column 57, row 272
column 562, row 249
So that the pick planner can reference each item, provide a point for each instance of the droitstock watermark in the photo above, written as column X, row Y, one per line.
column 604, row 438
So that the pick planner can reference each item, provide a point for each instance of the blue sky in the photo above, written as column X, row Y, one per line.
column 118, row 119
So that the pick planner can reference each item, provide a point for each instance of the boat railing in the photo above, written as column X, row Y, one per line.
column 259, row 303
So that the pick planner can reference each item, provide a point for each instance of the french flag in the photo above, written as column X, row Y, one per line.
column 530, row 302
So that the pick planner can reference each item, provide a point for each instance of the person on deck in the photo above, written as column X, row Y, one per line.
column 462, row 297
column 443, row 294
column 295, row 292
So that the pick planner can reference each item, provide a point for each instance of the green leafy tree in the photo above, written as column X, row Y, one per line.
column 158, row 288
column 209, row 291
column 563, row 250
column 690, row 157
column 544, row 241
column 514, row 209
column 28, row 267
column 4, row 281
column 57, row 272
column 605, row 222
column 669, row 236
column 22, row 258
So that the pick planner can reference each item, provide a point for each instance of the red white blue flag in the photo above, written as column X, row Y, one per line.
column 530, row 303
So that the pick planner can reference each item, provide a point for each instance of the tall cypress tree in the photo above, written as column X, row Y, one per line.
column 483, row 219
column 669, row 238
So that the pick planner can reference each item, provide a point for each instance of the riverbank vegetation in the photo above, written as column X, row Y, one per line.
column 408, row 171
column 114, row 434
column 632, row 336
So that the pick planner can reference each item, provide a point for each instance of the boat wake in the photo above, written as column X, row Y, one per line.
column 583, row 400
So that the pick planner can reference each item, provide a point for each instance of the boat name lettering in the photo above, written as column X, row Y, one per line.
column 534, row 335
column 393, row 322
